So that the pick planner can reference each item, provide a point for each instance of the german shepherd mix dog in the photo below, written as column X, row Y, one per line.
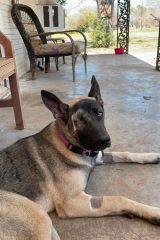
column 49, row 171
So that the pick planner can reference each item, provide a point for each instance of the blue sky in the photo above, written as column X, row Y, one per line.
column 73, row 6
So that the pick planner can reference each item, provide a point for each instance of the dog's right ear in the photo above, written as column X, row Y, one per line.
column 95, row 90
column 55, row 105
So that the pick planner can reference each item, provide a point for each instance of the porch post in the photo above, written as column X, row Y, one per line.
column 123, row 17
column 158, row 51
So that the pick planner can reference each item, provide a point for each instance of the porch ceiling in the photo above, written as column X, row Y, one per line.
column 132, row 121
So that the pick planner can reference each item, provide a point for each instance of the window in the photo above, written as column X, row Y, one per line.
column 55, row 16
column 46, row 16
column 50, row 16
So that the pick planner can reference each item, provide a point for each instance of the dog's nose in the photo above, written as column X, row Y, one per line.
column 106, row 141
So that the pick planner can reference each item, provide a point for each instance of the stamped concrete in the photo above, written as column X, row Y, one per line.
column 130, row 90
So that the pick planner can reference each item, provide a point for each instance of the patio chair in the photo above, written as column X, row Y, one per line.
column 35, row 40
column 8, row 71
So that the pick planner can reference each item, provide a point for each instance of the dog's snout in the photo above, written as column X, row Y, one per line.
column 106, row 141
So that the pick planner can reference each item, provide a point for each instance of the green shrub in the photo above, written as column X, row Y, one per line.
column 82, row 21
column 100, row 37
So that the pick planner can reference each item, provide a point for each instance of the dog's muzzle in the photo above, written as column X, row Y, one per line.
column 104, row 142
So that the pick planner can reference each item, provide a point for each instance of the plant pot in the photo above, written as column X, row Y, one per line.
column 119, row 50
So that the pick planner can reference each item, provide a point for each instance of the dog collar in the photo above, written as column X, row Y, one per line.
column 76, row 149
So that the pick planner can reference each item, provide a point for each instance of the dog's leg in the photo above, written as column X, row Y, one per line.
column 20, row 218
column 85, row 205
column 127, row 157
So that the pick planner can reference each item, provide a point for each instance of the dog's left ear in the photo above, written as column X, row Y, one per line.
column 95, row 90
column 55, row 105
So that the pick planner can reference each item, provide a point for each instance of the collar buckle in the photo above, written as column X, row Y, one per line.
column 86, row 152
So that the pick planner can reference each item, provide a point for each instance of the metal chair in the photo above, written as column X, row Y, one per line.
column 35, row 40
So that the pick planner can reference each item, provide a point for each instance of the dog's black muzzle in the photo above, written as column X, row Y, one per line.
column 103, row 143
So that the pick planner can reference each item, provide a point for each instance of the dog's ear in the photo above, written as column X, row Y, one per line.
column 54, row 104
column 95, row 90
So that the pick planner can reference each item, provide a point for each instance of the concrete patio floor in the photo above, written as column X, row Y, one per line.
column 133, row 123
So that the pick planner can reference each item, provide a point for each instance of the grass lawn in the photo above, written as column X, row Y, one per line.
column 145, row 40
column 142, row 44
column 139, row 41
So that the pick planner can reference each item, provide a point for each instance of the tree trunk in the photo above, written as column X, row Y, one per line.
column 105, row 9
column 98, row 8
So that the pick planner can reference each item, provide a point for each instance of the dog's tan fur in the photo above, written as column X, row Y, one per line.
column 21, row 218
column 55, row 178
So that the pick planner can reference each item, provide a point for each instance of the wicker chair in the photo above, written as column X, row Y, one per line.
column 35, row 40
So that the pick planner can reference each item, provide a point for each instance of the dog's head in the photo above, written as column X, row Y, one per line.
column 81, row 121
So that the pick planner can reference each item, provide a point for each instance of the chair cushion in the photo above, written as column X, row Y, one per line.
column 55, row 49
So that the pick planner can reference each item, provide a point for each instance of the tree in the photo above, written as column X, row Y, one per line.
column 105, row 10
column 153, row 3
column 62, row 2
column 83, row 21
column 147, row 21
column 99, row 36
column 99, row 23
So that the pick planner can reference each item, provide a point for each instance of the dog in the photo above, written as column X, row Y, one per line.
column 49, row 171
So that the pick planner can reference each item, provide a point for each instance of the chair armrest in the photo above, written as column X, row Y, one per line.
column 6, row 43
column 66, row 32
column 80, row 32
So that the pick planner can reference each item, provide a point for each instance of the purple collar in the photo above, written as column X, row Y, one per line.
column 77, row 149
